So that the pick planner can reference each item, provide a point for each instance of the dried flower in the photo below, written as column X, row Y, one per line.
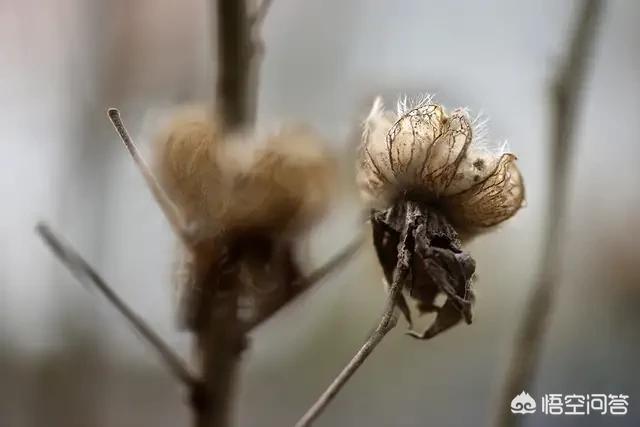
column 433, row 176
column 439, row 158
column 244, row 199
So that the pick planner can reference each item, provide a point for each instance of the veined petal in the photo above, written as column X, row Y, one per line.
column 491, row 201
column 446, row 153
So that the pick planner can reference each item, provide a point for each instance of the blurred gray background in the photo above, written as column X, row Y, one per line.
column 66, row 359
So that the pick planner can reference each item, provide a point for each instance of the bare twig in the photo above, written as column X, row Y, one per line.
column 336, row 261
column 166, row 205
column 234, row 60
column 565, row 91
column 90, row 278
column 386, row 324
column 219, row 345
column 317, row 275
column 220, row 338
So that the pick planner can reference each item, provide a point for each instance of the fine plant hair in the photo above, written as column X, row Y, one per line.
column 565, row 97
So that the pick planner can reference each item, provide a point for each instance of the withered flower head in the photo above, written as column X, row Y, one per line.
column 245, row 199
column 233, row 184
column 429, row 176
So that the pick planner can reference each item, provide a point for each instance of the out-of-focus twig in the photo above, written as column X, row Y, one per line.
column 90, row 278
column 387, row 323
column 338, row 260
column 565, row 100
column 166, row 205
column 221, row 337
column 234, row 51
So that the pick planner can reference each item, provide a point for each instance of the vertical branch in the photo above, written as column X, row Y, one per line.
column 565, row 99
column 233, row 60
column 220, row 337
column 219, row 343
column 256, row 53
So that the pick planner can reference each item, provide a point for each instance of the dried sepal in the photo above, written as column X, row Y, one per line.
column 438, row 266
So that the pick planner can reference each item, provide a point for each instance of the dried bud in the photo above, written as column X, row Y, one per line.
column 441, row 159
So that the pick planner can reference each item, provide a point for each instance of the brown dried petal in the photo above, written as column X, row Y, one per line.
column 446, row 153
column 409, row 142
column 491, row 201
column 375, row 179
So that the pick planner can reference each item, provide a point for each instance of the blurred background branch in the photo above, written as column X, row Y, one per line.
column 91, row 279
column 565, row 98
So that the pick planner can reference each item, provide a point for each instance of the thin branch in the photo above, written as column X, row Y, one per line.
column 234, row 53
column 220, row 338
column 386, row 324
column 336, row 261
column 88, row 277
column 166, row 205
column 566, row 96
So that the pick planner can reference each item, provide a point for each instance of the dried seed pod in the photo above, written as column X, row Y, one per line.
column 490, row 201
column 277, row 185
column 281, row 185
column 244, row 199
column 429, row 175
column 438, row 158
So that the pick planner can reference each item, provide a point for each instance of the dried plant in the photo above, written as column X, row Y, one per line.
column 237, row 202
column 244, row 201
column 428, row 176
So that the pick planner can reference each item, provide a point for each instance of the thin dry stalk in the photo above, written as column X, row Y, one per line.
column 387, row 323
column 338, row 260
column 565, row 99
column 221, row 338
column 233, row 41
column 166, row 205
column 90, row 278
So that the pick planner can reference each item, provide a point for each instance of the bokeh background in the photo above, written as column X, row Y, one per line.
column 66, row 359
